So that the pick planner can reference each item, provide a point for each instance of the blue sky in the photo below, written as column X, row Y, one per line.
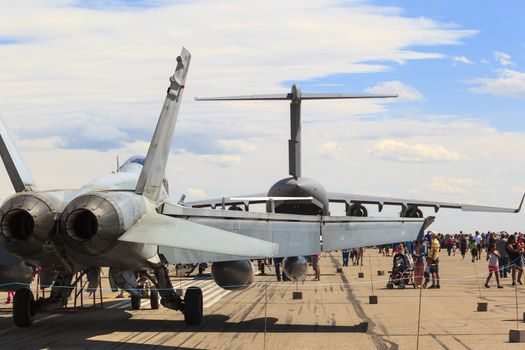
column 444, row 83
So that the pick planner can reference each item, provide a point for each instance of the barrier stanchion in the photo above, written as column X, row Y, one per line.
column 482, row 305
column 265, row 313
column 361, row 274
column 517, row 335
column 419, row 317
column 380, row 272
column 372, row 298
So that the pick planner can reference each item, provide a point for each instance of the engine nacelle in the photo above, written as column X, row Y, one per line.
column 356, row 210
column 26, row 221
column 411, row 211
column 92, row 223
column 295, row 268
column 233, row 275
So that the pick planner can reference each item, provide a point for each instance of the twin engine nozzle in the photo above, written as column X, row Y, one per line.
column 92, row 223
column 26, row 221
column 89, row 224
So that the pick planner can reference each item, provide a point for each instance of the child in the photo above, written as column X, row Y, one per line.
column 473, row 249
column 493, row 259
column 427, row 271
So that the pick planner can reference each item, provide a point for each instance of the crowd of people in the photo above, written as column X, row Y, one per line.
column 505, row 254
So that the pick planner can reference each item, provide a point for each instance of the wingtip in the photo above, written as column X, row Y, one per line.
column 521, row 204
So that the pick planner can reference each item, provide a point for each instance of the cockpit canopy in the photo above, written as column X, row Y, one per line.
column 136, row 159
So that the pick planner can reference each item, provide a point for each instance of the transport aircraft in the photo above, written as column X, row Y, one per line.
column 125, row 221
column 297, row 186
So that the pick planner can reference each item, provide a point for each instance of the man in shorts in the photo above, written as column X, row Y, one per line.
column 434, row 260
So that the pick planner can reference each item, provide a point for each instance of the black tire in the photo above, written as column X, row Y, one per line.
column 193, row 306
column 390, row 285
column 23, row 308
column 135, row 302
column 154, row 299
column 401, row 285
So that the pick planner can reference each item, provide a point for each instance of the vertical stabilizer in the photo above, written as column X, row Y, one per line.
column 16, row 169
column 150, row 181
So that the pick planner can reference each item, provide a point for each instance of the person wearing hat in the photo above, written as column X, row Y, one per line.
column 434, row 257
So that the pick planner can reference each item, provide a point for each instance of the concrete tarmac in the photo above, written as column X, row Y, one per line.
column 333, row 313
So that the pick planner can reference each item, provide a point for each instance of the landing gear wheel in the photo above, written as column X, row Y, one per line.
column 390, row 285
column 24, row 308
column 135, row 303
column 154, row 299
column 193, row 306
column 401, row 285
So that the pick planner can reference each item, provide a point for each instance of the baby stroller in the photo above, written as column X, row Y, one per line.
column 402, row 273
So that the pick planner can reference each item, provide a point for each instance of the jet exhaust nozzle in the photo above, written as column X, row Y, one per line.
column 92, row 223
column 27, row 220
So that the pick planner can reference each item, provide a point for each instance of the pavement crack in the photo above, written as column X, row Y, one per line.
column 379, row 341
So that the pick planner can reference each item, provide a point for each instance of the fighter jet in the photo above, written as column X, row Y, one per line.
column 125, row 221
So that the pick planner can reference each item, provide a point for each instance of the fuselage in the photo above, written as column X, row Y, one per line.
column 82, row 226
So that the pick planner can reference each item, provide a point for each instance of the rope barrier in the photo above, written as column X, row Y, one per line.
column 257, row 284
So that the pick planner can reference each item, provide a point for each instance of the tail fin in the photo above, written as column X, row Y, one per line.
column 150, row 180
column 295, row 97
column 16, row 169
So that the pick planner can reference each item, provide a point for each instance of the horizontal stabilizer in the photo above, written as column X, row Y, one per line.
column 16, row 169
column 290, row 96
column 167, row 231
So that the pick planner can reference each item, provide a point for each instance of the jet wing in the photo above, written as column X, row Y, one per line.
column 294, row 234
column 223, row 202
column 243, row 202
column 162, row 230
column 403, row 203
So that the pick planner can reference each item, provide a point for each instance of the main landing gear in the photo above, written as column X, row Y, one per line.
column 191, row 305
column 24, row 308
column 153, row 299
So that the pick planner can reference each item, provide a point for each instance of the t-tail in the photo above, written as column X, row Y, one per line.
column 152, row 175
column 295, row 97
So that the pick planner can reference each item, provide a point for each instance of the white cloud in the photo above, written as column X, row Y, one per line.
column 450, row 185
column 462, row 59
column 503, row 58
column 329, row 150
column 223, row 161
column 196, row 193
column 508, row 82
column 484, row 61
column 403, row 152
column 238, row 146
column 405, row 92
